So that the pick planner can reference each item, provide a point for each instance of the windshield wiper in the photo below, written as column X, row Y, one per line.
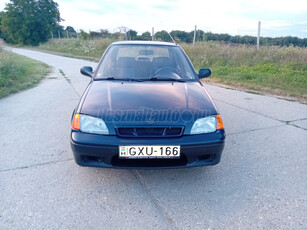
column 105, row 78
column 165, row 79
column 133, row 79
column 119, row 79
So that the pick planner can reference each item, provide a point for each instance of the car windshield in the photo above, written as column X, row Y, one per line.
column 145, row 62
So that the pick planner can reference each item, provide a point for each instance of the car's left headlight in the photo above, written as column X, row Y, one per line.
column 207, row 124
column 89, row 124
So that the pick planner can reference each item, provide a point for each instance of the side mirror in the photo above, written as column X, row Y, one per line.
column 202, row 73
column 87, row 71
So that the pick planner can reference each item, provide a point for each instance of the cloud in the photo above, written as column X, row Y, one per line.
column 224, row 16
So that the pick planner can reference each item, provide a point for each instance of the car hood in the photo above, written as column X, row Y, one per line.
column 147, row 102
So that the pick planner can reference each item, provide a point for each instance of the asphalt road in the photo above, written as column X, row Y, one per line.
column 261, row 181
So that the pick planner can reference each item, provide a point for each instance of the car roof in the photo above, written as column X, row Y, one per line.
column 144, row 43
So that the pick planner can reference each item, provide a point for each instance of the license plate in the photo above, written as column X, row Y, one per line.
column 149, row 151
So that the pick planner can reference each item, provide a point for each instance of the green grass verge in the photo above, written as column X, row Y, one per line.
column 18, row 72
column 275, row 70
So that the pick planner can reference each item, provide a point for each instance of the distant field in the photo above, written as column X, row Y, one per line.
column 275, row 70
column 18, row 72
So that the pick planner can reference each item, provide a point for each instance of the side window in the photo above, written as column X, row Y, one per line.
column 182, row 64
column 107, row 68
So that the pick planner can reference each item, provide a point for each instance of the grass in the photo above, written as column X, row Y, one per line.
column 18, row 72
column 274, row 70
column 87, row 49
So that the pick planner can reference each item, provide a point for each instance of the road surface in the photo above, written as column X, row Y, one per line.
column 261, row 181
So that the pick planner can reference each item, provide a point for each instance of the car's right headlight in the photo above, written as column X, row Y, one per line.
column 89, row 124
column 207, row 124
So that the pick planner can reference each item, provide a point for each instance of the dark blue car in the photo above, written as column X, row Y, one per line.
column 146, row 108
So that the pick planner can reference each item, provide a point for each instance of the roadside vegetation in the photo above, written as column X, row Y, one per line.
column 274, row 70
column 18, row 72
column 91, row 49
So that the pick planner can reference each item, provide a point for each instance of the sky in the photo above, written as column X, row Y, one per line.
column 235, row 17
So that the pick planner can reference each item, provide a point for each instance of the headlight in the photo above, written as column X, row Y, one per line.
column 88, row 124
column 204, row 125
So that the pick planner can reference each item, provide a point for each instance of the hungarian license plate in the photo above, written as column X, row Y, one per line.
column 149, row 151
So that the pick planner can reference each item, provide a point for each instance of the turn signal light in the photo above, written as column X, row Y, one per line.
column 219, row 122
column 76, row 122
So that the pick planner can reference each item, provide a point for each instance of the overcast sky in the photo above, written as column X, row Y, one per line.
column 236, row 17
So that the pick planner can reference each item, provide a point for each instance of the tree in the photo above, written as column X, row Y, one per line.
column 30, row 21
column 224, row 37
column 70, row 32
column 182, row 36
column 105, row 33
column 1, row 16
column 84, row 35
column 118, row 36
column 131, row 34
column 95, row 35
column 70, row 29
column 163, row 36
column 146, row 36
column 199, row 35
column 211, row 36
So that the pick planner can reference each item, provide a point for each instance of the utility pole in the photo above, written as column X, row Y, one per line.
column 153, row 33
column 51, row 35
column 194, row 38
column 258, row 37
column 59, row 34
column 67, row 34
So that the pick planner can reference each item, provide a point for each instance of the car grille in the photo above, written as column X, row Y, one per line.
column 150, row 131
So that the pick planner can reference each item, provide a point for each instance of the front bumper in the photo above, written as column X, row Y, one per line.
column 102, row 151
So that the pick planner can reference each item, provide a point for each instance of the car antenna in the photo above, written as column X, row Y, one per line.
column 172, row 38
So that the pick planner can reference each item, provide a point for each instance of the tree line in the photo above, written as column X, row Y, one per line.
column 187, row 37
column 31, row 22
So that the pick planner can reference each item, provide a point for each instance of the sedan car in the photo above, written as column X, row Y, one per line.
column 146, row 108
